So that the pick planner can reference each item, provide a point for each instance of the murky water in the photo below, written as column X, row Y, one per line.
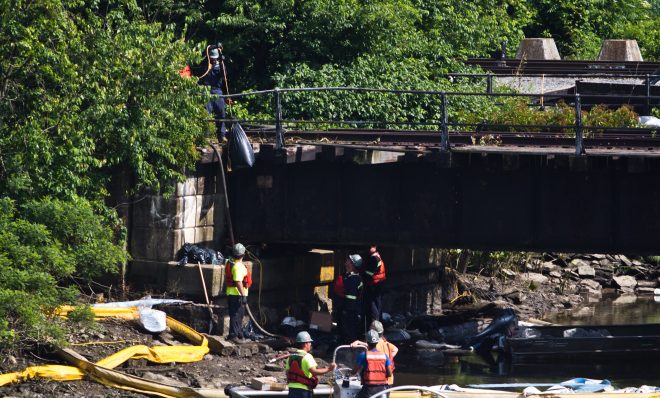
column 431, row 368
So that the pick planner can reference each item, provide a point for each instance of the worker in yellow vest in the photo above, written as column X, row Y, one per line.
column 237, row 279
column 302, row 370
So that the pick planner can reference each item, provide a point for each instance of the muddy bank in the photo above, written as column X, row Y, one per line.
column 542, row 285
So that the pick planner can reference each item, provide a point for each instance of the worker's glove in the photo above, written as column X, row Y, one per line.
column 243, row 300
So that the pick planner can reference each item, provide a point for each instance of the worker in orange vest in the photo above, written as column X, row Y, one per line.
column 374, row 367
column 383, row 346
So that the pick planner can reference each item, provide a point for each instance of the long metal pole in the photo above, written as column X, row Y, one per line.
column 579, row 147
column 230, row 227
column 444, row 140
column 279, row 133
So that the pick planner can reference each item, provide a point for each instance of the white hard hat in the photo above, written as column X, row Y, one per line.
column 238, row 250
column 378, row 327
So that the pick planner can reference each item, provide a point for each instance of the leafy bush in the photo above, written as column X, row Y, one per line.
column 516, row 115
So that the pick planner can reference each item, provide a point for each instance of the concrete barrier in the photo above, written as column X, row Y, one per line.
column 538, row 48
column 620, row 50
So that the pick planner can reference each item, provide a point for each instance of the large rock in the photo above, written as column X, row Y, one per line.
column 586, row 271
column 626, row 283
column 537, row 48
column 591, row 284
column 535, row 277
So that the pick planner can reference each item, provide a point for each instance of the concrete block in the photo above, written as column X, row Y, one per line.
column 189, row 212
column 206, row 184
column 157, row 212
column 204, row 236
column 181, row 236
column 205, row 209
column 620, row 50
column 537, row 48
column 186, row 279
column 153, row 244
column 187, row 188
column 147, row 274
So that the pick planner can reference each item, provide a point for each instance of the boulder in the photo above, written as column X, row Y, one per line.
column 626, row 283
column 535, row 277
column 586, row 271
column 591, row 284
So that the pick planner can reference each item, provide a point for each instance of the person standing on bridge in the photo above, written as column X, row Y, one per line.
column 301, row 369
column 373, row 275
column 237, row 279
column 214, row 77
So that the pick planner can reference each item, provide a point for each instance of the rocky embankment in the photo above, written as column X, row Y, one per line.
column 563, row 282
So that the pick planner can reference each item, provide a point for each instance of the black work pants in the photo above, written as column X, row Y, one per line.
column 368, row 391
column 373, row 307
column 350, row 326
column 216, row 108
column 236, row 314
column 300, row 393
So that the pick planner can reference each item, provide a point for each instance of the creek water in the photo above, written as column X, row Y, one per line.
column 433, row 368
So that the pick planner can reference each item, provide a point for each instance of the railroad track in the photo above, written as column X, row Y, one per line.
column 559, row 67
column 622, row 139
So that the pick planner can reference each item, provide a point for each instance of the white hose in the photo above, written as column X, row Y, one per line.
column 411, row 387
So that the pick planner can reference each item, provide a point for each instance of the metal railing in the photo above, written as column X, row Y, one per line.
column 442, row 127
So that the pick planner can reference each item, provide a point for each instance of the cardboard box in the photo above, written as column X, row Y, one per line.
column 267, row 383
column 321, row 321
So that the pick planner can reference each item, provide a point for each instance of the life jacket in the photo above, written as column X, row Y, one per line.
column 338, row 286
column 384, row 347
column 229, row 278
column 375, row 373
column 295, row 373
column 378, row 276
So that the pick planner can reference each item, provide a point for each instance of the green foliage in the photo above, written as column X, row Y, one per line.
column 81, row 314
column 579, row 27
column 515, row 114
column 397, row 109
column 32, row 262
column 89, row 93
column 82, row 234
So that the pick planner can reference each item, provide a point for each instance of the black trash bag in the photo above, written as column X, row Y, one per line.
column 193, row 254
column 241, row 154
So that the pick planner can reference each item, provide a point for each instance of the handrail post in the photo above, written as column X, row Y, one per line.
column 579, row 147
column 489, row 83
column 444, row 139
column 648, row 94
column 279, row 133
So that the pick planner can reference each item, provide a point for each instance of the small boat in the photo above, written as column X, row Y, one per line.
column 583, row 343
column 346, row 385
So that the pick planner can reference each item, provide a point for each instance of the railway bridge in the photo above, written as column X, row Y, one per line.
column 448, row 184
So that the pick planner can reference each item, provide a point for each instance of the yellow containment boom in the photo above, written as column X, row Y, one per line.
column 102, row 371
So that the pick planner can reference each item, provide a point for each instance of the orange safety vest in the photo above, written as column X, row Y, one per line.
column 375, row 373
column 229, row 278
column 378, row 276
column 295, row 373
